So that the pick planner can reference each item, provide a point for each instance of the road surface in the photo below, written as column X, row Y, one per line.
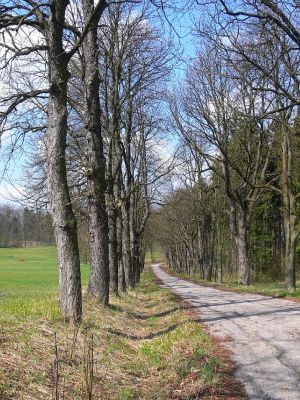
column 263, row 334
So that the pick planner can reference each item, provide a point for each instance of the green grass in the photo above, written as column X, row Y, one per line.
column 140, row 350
column 157, row 256
column 268, row 289
column 276, row 289
column 29, row 282
column 127, row 394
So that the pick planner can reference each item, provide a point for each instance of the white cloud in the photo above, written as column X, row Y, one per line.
column 10, row 193
column 164, row 148
column 23, row 72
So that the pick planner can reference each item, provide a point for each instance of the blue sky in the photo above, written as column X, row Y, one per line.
column 178, row 28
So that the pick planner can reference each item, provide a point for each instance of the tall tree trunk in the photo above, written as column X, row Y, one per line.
column 113, row 249
column 136, row 251
column 126, row 245
column 238, row 228
column 289, row 213
column 133, row 239
column 114, row 171
column 200, row 243
column 64, row 221
column 126, row 208
column 121, row 272
column 239, row 231
column 219, row 273
column 98, row 220
column 242, row 248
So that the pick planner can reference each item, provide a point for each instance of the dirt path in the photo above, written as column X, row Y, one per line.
column 262, row 332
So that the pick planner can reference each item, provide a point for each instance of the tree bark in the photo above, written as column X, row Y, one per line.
column 127, row 262
column 239, row 226
column 96, row 186
column 289, row 213
column 113, row 249
column 64, row 221
column 121, row 272
column 242, row 248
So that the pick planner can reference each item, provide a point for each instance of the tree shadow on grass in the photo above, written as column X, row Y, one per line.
column 145, row 316
column 146, row 337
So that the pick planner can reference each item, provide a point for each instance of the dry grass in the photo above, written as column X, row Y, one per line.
column 143, row 346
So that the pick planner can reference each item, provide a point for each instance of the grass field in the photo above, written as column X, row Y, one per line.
column 29, row 282
column 145, row 345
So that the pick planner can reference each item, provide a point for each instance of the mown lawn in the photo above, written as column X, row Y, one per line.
column 29, row 282
column 144, row 345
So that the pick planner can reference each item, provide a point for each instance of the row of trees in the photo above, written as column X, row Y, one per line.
column 24, row 227
column 87, row 79
column 84, row 83
column 238, row 118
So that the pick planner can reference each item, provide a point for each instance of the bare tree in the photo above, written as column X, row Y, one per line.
column 220, row 114
column 95, row 172
column 134, row 63
column 51, row 23
column 265, row 36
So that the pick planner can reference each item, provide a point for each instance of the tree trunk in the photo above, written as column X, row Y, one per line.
column 96, row 183
column 239, row 231
column 113, row 249
column 289, row 213
column 64, row 221
column 134, row 240
column 242, row 248
column 126, row 245
column 219, row 274
column 121, row 272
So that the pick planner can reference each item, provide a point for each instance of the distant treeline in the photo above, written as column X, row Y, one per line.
column 24, row 227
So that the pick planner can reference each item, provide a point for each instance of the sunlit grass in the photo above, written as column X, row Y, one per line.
column 29, row 282
column 269, row 289
column 276, row 289
column 157, row 256
column 145, row 346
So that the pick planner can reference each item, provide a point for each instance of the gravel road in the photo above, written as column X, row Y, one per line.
column 263, row 334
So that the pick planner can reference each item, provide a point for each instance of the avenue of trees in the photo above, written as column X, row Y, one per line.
column 237, row 117
column 84, row 84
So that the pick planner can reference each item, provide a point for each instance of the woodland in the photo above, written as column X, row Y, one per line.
column 24, row 227
column 136, row 145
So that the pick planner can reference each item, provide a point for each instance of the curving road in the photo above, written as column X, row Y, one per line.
column 263, row 334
